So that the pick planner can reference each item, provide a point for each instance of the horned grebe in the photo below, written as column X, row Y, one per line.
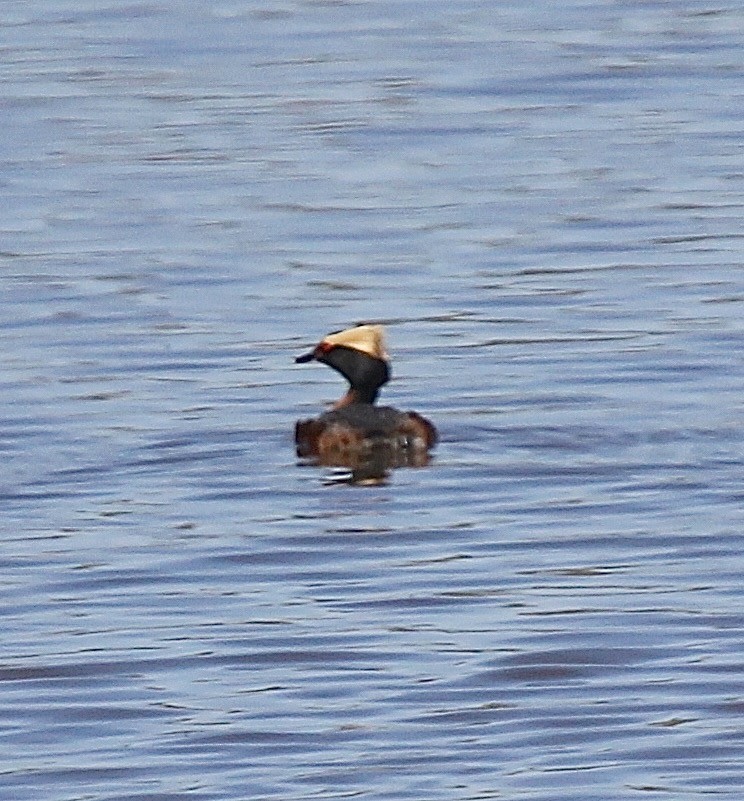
column 355, row 430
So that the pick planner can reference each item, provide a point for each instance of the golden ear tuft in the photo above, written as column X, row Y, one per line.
column 369, row 339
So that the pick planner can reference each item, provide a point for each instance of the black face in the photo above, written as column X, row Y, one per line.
column 365, row 373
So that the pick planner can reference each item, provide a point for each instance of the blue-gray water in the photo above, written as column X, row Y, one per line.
column 544, row 205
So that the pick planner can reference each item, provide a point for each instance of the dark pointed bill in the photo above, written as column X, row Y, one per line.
column 307, row 357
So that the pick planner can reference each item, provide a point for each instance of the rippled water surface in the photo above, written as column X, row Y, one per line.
column 544, row 207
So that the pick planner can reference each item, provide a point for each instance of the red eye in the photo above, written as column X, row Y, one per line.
column 324, row 347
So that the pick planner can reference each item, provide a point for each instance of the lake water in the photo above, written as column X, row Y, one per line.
column 544, row 206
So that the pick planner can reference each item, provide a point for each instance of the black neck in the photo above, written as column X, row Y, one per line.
column 365, row 394
column 365, row 374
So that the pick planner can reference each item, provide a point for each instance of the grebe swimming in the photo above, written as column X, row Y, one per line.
column 355, row 429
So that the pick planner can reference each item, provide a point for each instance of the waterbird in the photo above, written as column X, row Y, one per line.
column 355, row 430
